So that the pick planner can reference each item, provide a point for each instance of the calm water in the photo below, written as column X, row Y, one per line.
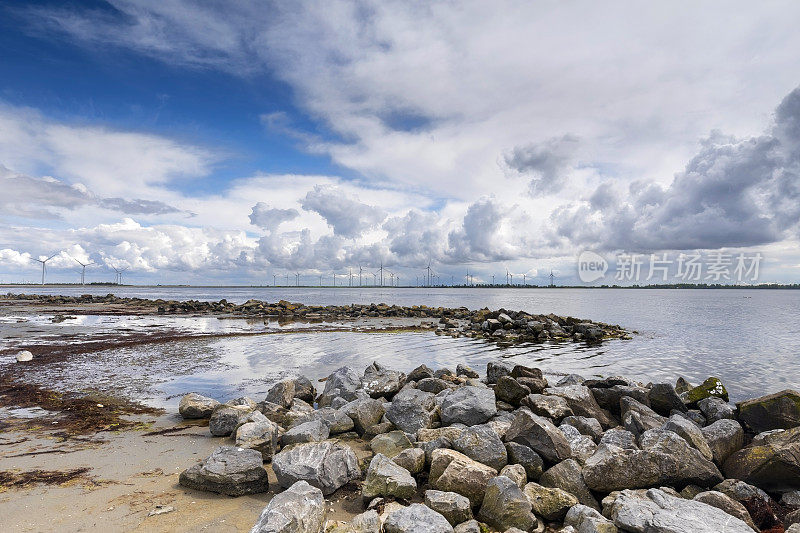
column 749, row 338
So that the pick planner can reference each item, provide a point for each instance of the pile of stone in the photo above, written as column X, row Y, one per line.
column 454, row 451
column 501, row 325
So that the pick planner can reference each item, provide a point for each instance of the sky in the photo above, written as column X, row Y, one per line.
column 222, row 142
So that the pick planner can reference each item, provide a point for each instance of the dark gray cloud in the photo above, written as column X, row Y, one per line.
column 348, row 216
column 547, row 162
column 733, row 192
column 43, row 198
column 269, row 218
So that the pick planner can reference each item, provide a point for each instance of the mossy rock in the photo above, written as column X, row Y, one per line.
column 774, row 411
column 710, row 387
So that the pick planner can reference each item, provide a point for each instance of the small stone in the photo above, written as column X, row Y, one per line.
column 690, row 433
column 161, row 509
column 470, row 526
column 261, row 436
column 24, row 356
column 365, row 412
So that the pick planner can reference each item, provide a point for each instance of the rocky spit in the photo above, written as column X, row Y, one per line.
column 458, row 451
column 503, row 326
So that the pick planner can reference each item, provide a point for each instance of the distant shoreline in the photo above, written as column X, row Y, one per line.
column 762, row 286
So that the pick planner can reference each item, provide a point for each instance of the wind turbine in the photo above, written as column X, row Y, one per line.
column 524, row 280
column 297, row 279
column 83, row 270
column 381, row 272
column 334, row 279
column 274, row 280
column 512, row 279
column 492, row 279
column 44, row 262
column 428, row 268
column 374, row 279
column 350, row 283
column 552, row 283
column 360, row 270
column 320, row 280
column 119, row 274
column 391, row 279
column 506, row 276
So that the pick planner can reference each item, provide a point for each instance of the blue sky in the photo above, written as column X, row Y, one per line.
column 224, row 143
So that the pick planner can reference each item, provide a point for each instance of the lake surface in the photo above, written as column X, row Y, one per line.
column 748, row 338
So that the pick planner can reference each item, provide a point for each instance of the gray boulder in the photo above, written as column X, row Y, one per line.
column 690, row 433
column 304, row 389
column 412, row 410
column 298, row 509
column 739, row 490
column 638, row 418
column 587, row 520
column 471, row 526
column 612, row 468
column 611, row 397
column 549, row 503
column 581, row 446
column 465, row 370
column 522, row 455
column 774, row 411
column 194, row 405
column 515, row 473
column 554, row 407
column 497, row 369
column 416, row 518
column 539, row 434
column 386, row 478
column 692, row 466
column 663, row 399
column 282, row 393
column 726, row 503
column 724, row 437
column 454, row 507
column 468, row 405
column 621, row 438
column 419, row 373
column 337, row 421
column 452, row 471
column 482, row 444
column 228, row 470
column 365, row 413
column 313, row 431
column 587, row 426
column 412, row 459
column 505, row 506
column 658, row 512
column 568, row 475
column 390, row 444
column 582, row 402
column 326, row 465
column 510, row 391
column 714, row 409
column 261, row 436
column 773, row 464
column 343, row 383
column 433, row 385
column 226, row 418
column 380, row 381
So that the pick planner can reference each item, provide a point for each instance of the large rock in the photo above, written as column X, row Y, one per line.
column 539, row 434
column 412, row 410
column 568, row 475
column 282, row 393
column 380, row 381
column 420, row 373
column 505, row 506
column 690, row 433
column 313, row 431
column 298, row 509
column 497, row 369
column 726, row 503
column 453, row 471
column 510, row 391
column 554, row 407
column 740, row 491
column 226, row 418
column 691, row 468
column 519, row 454
column 638, row 418
column 364, row 412
column 774, row 464
column 261, row 436
column 587, row 520
column 612, row 468
column 583, row 403
column 343, row 383
column 710, row 387
column 390, row 444
column 326, row 465
column 412, row 459
column 194, row 405
column 304, row 389
column 468, row 405
column 581, row 446
column 454, row 507
column 385, row 478
column 724, row 437
column 610, row 397
column 416, row 518
column 482, row 444
column 228, row 470
column 714, row 409
column 775, row 411
column 587, row 426
column 549, row 503
column 658, row 512
column 663, row 399
column 621, row 438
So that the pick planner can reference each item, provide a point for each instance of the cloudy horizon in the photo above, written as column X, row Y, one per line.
column 211, row 144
